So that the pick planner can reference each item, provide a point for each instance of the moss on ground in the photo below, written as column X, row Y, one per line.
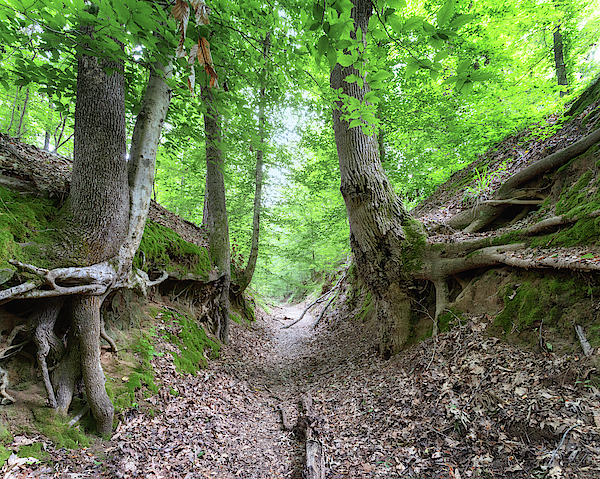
column 23, row 219
column 55, row 427
column 136, row 379
column 162, row 248
column 547, row 301
column 192, row 341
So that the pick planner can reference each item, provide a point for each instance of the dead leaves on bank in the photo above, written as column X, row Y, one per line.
column 467, row 405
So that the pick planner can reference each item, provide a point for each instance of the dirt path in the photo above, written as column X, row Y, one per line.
column 463, row 406
column 224, row 422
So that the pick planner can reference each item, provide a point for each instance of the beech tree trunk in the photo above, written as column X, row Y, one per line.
column 244, row 280
column 219, row 232
column 376, row 215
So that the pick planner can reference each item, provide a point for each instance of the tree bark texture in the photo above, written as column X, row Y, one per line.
column 219, row 233
column 86, row 323
column 375, row 213
column 142, row 156
column 244, row 279
column 559, row 60
column 99, row 199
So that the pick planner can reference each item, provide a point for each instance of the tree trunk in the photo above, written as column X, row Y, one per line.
column 23, row 111
column 244, row 279
column 99, row 199
column 376, row 215
column 559, row 60
column 47, row 141
column 97, row 217
column 86, row 322
column 14, row 109
column 219, row 232
column 142, row 156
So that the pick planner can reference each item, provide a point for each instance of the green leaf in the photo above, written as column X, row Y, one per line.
column 462, row 66
column 332, row 56
column 396, row 23
column 121, row 9
column 481, row 76
column 372, row 97
column 354, row 123
column 322, row 45
column 588, row 256
column 461, row 21
column 467, row 88
column 436, row 42
column 441, row 55
column 379, row 75
column 345, row 60
column 343, row 44
column 318, row 12
column 379, row 35
column 411, row 68
column 351, row 78
column 445, row 13
column 413, row 22
column 428, row 27
column 397, row 4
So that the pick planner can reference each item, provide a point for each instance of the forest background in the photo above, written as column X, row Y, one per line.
column 451, row 80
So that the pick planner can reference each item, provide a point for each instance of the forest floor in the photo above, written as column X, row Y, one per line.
column 463, row 405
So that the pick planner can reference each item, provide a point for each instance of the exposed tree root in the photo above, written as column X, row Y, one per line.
column 585, row 344
column 474, row 219
column 7, row 353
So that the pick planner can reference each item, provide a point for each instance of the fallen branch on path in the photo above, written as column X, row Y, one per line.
column 315, row 458
column 314, row 326
column 319, row 300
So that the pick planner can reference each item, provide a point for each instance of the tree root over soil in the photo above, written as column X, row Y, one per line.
column 63, row 365
column 477, row 218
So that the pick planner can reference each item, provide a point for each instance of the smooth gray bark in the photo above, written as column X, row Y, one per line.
column 246, row 277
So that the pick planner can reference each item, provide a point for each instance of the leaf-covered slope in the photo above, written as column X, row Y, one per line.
column 482, row 178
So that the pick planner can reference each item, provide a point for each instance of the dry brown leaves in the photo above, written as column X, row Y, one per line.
column 464, row 405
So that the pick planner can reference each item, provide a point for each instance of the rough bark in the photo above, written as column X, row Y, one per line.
column 99, row 198
column 559, row 60
column 244, row 279
column 376, row 215
column 219, row 233
column 86, row 322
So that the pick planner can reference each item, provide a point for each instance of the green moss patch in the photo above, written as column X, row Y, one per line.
column 55, row 427
column 553, row 302
column 22, row 219
column 136, row 379
column 192, row 341
column 162, row 248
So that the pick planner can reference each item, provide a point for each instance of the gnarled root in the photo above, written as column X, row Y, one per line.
column 44, row 320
